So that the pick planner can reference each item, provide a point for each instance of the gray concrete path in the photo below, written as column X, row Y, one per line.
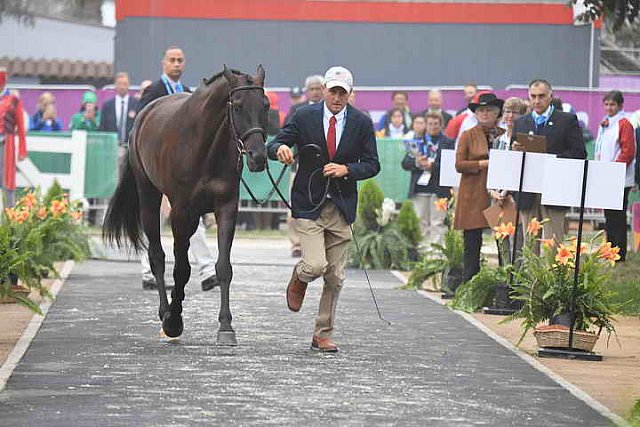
column 98, row 360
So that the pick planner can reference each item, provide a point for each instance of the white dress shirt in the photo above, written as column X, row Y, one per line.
column 118, row 107
column 340, row 120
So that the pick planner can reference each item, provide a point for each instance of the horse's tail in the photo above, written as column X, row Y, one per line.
column 123, row 214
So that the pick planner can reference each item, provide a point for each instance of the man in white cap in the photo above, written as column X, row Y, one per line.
column 335, row 142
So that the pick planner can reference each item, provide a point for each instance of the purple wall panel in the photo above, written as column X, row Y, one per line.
column 587, row 103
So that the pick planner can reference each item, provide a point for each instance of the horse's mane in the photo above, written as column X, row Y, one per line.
column 215, row 77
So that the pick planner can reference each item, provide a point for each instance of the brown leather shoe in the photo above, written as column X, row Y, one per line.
column 295, row 292
column 325, row 345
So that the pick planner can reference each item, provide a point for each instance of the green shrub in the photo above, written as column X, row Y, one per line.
column 369, row 203
column 634, row 417
column 381, row 249
column 409, row 224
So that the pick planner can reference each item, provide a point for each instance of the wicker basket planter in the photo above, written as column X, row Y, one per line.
column 20, row 290
column 557, row 336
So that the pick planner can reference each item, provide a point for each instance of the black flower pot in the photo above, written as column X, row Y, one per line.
column 563, row 319
column 451, row 279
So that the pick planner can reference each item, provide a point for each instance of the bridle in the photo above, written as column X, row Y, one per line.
column 240, row 138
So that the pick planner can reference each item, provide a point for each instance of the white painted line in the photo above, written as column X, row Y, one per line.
column 32, row 328
column 577, row 392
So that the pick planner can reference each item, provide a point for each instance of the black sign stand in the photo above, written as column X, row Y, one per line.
column 573, row 353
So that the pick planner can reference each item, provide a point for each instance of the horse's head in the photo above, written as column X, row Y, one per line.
column 248, row 108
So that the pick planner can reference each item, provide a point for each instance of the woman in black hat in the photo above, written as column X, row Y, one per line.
column 472, row 161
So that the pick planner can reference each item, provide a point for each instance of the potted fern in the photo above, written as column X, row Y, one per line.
column 545, row 287
column 442, row 260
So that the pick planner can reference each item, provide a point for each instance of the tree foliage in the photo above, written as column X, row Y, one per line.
column 619, row 11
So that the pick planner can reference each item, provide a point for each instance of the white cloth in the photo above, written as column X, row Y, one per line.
column 470, row 121
column 396, row 132
column 199, row 253
column 340, row 118
column 608, row 146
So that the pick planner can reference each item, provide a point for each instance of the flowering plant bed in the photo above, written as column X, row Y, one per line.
column 34, row 234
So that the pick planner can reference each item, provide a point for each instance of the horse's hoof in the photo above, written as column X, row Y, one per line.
column 172, row 325
column 227, row 338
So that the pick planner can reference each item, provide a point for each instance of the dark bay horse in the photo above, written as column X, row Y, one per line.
column 190, row 147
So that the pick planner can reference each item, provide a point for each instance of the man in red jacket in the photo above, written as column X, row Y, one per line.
column 11, row 125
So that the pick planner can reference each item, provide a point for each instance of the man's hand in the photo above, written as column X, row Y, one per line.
column 334, row 170
column 516, row 146
column 423, row 162
column 483, row 164
column 285, row 155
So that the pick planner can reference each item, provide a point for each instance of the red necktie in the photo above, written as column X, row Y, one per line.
column 331, row 137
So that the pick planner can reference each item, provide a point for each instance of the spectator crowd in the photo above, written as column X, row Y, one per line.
column 481, row 123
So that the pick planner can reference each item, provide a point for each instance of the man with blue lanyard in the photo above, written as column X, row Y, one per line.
column 564, row 139
column 168, row 84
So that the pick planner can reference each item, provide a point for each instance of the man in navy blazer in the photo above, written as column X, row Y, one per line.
column 119, row 113
column 336, row 145
column 564, row 139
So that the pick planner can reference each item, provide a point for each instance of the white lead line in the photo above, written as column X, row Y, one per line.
column 32, row 328
column 571, row 388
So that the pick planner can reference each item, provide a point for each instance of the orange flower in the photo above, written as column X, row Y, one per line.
column 42, row 213
column 564, row 255
column 574, row 244
column 76, row 215
column 21, row 216
column 504, row 230
column 547, row 243
column 28, row 201
column 609, row 253
column 534, row 227
column 442, row 204
column 58, row 207
column 11, row 213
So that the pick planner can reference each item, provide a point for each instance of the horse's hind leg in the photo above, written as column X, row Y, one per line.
column 183, row 228
column 150, row 199
column 226, row 218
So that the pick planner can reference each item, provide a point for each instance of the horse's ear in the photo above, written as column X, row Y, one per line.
column 227, row 74
column 260, row 75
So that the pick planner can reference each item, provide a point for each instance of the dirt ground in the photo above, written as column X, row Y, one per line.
column 614, row 382
column 15, row 318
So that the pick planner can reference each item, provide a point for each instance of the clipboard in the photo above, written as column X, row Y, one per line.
column 532, row 143
column 496, row 214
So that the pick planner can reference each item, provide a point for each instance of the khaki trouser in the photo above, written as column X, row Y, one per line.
column 431, row 219
column 324, row 244
column 292, row 232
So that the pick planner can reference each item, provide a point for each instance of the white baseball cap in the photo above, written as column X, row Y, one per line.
column 338, row 76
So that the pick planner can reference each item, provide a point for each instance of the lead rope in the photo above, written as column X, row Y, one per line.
column 316, row 207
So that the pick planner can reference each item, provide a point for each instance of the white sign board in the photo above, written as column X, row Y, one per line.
column 449, row 177
column 504, row 171
column 563, row 184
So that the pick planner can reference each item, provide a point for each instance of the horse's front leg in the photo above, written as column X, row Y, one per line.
column 183, row 227
column 226, row 217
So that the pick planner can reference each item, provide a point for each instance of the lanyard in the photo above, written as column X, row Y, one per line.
column 170, row 89
column 546, row 119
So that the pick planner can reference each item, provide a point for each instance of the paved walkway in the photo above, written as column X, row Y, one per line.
column 98, row 360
